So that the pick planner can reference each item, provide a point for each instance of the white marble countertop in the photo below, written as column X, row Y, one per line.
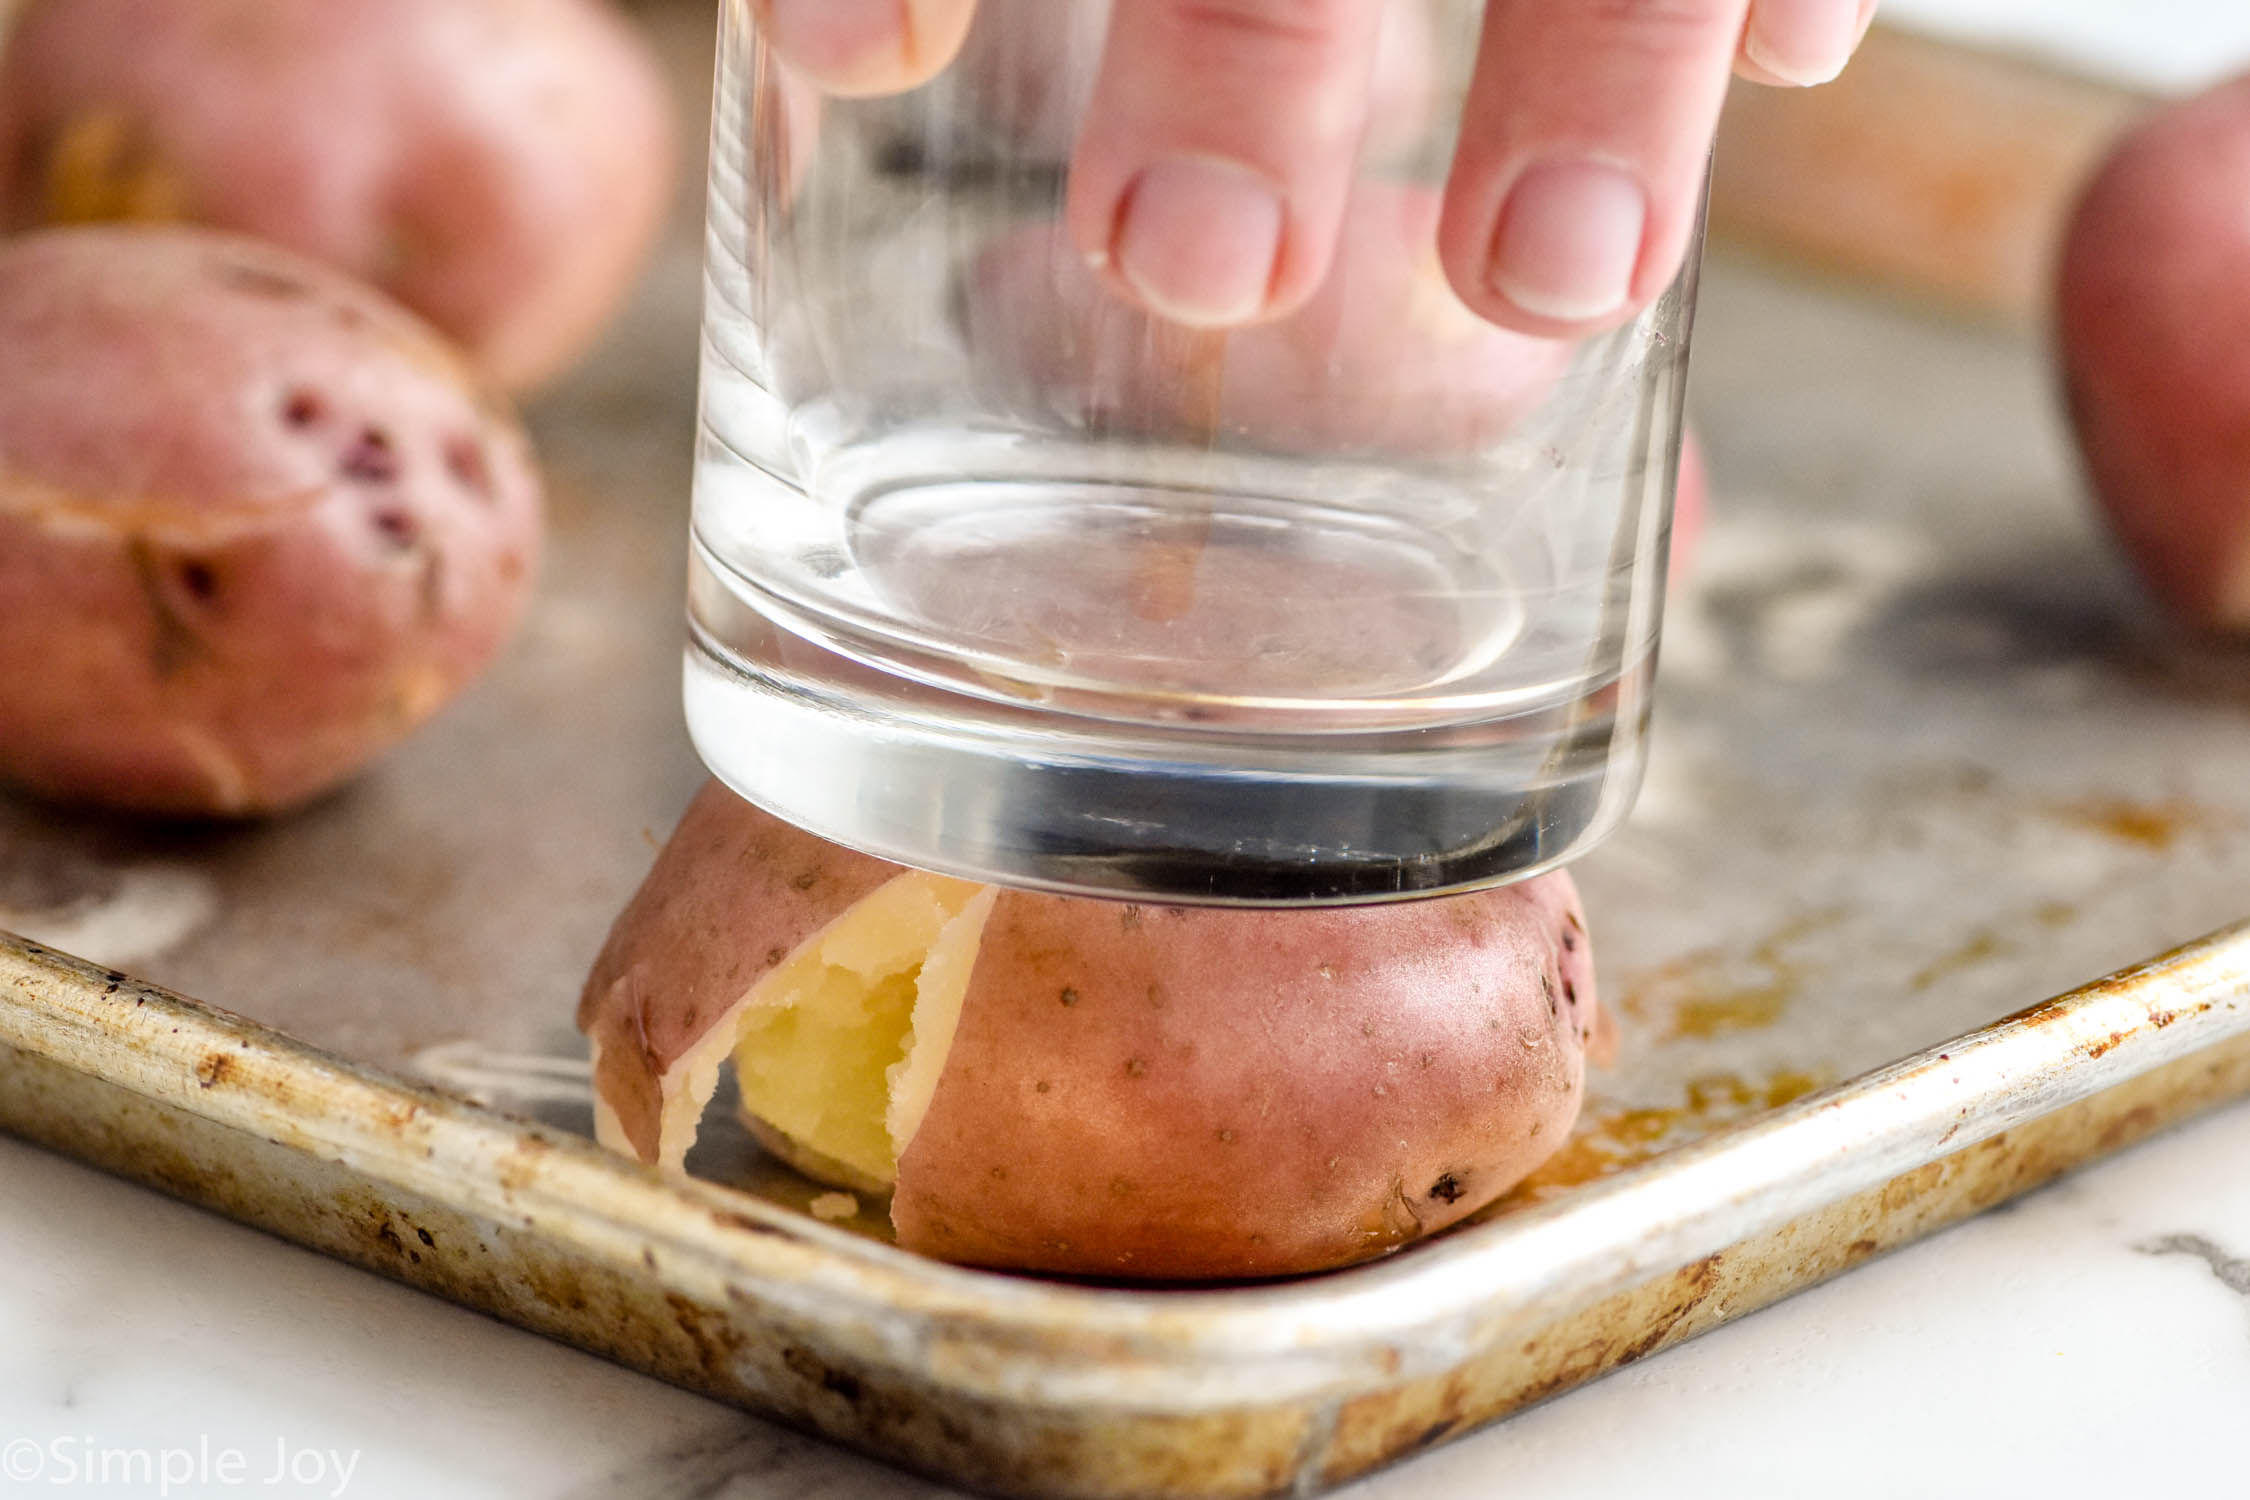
column 2093, row 1340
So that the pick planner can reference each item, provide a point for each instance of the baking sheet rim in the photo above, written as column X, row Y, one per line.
column 1153, row 1350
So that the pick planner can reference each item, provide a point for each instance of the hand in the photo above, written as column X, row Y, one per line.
column 1212, row 167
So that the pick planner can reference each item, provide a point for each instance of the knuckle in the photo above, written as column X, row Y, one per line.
column 1660, row 27
column 1263, row 27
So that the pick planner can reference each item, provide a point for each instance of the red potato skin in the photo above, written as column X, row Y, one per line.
column 256, row 522
column 2152, row 324
column 1151, row 1091
column 675, row 959
column 499, row 166
column 1383, row 359
column 1219, row 1093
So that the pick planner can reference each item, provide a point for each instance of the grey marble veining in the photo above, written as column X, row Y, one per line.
column 2233, row 1272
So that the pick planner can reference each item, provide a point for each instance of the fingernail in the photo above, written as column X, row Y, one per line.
column 1198, row 240
column 839, row 44
column 1803, row 41
column 1568, row 241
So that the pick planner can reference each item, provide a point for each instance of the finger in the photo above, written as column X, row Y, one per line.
column 855, row 48
column 1578, row 180
column 1798, row 43
column 1216, row 151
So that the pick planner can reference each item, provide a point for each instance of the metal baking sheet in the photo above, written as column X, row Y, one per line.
column 1922, row 759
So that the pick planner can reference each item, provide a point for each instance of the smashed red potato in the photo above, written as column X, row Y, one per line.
column 256, row 522
column 1090, row 1087
column 499, row 166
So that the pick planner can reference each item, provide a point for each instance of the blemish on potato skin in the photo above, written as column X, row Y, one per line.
column 804, row 880
column 1447, row 1189
column 1121, row 1187
column 1042, row 1087
column 1129, row 920
column 263, row 281
column 397, row 527
column 176, row 642
column 1226, row 1137
column 101, row 165
column 465, row 461
column 1069, row 995
column 1136, row 1067
column 370, row 459
column 198, row 580
column 774, row 956
column 302, row 408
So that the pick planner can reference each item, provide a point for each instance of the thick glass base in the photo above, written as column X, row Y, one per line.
column 1028, row 795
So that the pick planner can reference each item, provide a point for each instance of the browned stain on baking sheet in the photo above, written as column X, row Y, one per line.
column 2154, row 826
column 1993, row 943
column 1609, row 1141
column 1713, row 991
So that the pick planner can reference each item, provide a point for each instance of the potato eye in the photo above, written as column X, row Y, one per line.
column 198, row 580
column 397, row 527
column 371, row 458
column 302, row 408
column 465, row 461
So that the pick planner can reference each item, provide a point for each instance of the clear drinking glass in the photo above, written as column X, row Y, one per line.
column 996, row 574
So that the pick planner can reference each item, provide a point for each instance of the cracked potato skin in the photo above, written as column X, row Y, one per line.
column 257, row 523
column 732, row 894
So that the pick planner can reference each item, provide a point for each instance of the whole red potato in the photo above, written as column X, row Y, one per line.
column 499, row 166
column 2152, row 323
column 256, row 521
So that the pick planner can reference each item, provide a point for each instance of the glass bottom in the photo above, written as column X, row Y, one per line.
column 915, row 772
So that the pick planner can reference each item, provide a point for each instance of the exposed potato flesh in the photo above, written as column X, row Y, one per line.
column 839, row 1048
